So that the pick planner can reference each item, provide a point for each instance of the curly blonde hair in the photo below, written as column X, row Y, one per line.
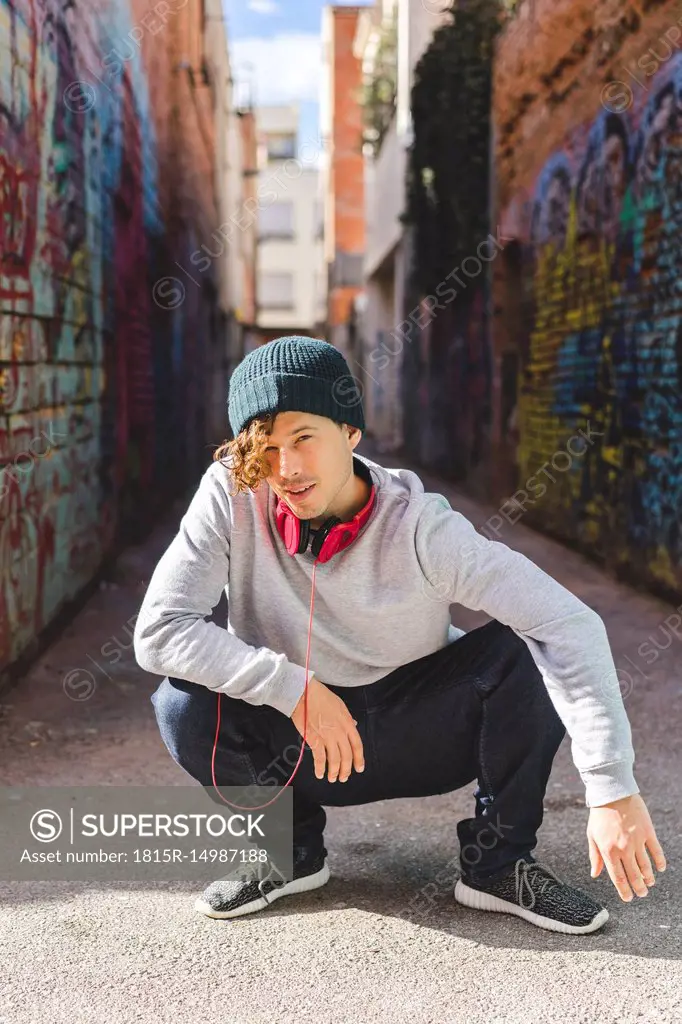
column 248, row 462
column 246, row 451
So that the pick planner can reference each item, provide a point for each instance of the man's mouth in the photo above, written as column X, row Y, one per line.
column 299, row 493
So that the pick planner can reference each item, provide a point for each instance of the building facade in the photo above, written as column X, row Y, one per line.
column 290, row 279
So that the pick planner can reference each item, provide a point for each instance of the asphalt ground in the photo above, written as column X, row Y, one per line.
column 381, row 941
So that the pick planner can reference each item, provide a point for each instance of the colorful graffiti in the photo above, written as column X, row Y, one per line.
column 78, row 211
column 603, row 239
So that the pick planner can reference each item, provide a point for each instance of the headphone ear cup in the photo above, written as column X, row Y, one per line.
column 318, row 541
column 304, row 536
column 322, row 534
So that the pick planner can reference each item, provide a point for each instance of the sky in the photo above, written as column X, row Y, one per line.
column 276, row 46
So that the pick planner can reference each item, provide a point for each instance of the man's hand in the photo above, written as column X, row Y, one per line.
column 331, row 732
column 618, row 835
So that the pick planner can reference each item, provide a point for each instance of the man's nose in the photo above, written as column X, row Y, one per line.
column 289, row 465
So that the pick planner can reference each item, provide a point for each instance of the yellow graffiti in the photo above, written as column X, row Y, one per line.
column 572, row 286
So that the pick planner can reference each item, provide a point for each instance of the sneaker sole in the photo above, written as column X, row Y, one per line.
column 478, row 900
column 290, row 889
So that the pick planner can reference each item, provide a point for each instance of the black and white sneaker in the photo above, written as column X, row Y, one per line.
column 535, row 893
column 260, row 883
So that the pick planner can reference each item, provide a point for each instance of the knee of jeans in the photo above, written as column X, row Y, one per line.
column 508, row 659
column 182, row 723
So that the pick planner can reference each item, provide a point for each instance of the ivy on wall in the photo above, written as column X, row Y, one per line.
column 447, row 199
column 378, row 96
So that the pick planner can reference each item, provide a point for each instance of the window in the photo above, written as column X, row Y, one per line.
column 276, row 290
column 281, row 147
column 276, row 221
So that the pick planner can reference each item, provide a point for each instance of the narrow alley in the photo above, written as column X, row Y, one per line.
column 450, row 227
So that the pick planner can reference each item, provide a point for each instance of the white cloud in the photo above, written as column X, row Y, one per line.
column 263, row 6
column 286, row 68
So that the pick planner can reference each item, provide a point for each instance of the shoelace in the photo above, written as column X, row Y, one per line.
column 525, row 874
column 263, row 871
column 274, row 870
column 260, row 871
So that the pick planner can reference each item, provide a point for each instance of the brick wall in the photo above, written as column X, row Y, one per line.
column 346, row 170
column 106, row 167
column 588, row 326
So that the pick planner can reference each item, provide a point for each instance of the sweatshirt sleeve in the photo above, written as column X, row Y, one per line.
column 171, row 636
column 566, row 637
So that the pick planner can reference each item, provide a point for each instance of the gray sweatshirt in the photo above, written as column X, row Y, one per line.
column 379, row 604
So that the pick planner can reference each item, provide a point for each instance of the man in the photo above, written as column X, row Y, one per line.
column 401, row 703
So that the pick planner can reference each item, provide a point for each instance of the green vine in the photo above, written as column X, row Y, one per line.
column 448, row 167
column 378, row 97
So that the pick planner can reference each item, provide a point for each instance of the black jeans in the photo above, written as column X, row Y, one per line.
column 476, row 709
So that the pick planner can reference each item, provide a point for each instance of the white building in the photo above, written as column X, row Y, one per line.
column 381, row 311
column 291, row 284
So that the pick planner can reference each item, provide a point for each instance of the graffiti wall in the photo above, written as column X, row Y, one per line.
column 601, row 240
column 83, row 347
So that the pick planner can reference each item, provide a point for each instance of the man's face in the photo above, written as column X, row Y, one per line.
column 306, row 449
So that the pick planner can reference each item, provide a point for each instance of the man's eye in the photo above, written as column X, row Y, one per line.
column 303, row 437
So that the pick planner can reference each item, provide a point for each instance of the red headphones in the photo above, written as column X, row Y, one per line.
column 333, row 536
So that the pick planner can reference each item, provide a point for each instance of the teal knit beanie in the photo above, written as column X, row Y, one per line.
column 294, row 374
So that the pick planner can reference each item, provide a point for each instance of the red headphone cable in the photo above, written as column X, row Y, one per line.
column 305, row 719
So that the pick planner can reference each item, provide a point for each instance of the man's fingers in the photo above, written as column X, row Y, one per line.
column 634, row 873
column 596, row 859
column 333, row 760
column 618, row 876
column 358, row 753
column 644, row 865
column 346, row 759
column 655, row 850
column 319, row 755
